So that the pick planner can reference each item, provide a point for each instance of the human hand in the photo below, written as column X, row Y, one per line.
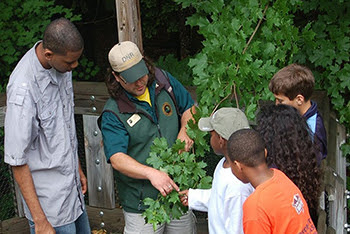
column 44, row 227
column 83, row 182
column 161, row 181
column 185, row 138
column 184, row 197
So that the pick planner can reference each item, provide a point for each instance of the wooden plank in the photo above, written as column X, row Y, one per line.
column 110, row 220
column 335, row 188
column 2, row 108
column 2, row 115
column 331, row 160
column 341, row 160
column 15, row 225
column 337, row 211
column 129, row 21
column 99, row 173
column 2, row 99
column 89, row 97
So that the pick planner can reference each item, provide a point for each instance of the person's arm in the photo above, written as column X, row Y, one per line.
column 186, row 116
column 25, row 182
column 132, row 168
column 233, row 213
column 198, row 199
column 83, row 179
column 116, row 138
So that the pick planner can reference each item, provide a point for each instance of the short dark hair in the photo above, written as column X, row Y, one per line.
column 292, row 80
column 247, row 147
column 61, row 36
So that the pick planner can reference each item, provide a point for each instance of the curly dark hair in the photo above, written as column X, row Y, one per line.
column 290, row 148
column 113, row 86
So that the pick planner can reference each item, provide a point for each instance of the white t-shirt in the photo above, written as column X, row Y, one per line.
column 223, row 202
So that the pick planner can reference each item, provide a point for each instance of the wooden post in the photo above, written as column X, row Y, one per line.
column 2, row 108
column 129, row 21
column 99, row 173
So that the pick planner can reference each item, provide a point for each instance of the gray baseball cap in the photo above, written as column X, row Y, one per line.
column 224, row 121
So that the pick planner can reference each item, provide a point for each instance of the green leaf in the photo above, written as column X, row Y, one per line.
column 154, row 160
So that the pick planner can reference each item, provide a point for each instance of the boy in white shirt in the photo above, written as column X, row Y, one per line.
column 224, row 201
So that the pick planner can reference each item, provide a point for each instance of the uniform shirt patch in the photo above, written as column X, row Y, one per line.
column 133, row 120
column 167, row 110
column 298, row 203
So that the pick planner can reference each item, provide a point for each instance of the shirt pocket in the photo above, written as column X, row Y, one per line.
column 48, row 120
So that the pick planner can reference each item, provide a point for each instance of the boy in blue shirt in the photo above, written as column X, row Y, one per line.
column 293, row 85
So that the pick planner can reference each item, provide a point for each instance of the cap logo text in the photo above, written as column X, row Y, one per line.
column 128, row 57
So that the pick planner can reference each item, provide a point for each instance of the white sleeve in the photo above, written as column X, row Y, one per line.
column 233, row 212
column 198, row 199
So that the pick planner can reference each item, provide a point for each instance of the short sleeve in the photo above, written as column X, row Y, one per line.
column 183, row 97
column 115, row 137
column 20, row 125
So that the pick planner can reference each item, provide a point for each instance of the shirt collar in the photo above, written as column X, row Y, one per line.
column 43, row 76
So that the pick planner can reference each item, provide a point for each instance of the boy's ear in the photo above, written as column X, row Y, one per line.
column 300, row 99
column 238, row 164
column 265, row 151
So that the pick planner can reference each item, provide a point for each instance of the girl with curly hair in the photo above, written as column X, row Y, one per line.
column 290, row 148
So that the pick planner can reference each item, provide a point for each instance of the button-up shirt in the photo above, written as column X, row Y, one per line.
column 40, row 132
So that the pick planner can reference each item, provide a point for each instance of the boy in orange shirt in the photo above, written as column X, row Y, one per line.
column 276, row 205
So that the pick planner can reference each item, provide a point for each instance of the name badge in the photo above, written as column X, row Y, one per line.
column 133, row 120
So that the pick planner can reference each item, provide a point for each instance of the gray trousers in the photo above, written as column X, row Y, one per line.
column 135, row 224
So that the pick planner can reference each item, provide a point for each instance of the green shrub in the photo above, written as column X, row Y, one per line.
column 178, row 68
column 22, row 23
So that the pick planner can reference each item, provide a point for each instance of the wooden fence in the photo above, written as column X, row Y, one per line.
column 89, row 100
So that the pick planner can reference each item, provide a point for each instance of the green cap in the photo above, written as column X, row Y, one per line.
column 135, row 72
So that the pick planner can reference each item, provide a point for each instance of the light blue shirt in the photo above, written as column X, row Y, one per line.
column 40, row 132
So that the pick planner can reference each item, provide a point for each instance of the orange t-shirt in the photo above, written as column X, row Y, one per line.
column 277, row 206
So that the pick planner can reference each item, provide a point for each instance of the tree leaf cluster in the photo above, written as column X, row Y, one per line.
column 186, row 171
column 325, row 48
column 22, row 24
column 245, row 43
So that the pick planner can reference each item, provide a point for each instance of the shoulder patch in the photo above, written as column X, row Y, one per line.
column 298, row 203
column 18, row 95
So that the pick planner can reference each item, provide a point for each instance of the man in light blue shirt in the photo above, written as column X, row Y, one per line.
column 40, row 135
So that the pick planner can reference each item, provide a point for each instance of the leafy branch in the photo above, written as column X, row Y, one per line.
column 186, row 172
